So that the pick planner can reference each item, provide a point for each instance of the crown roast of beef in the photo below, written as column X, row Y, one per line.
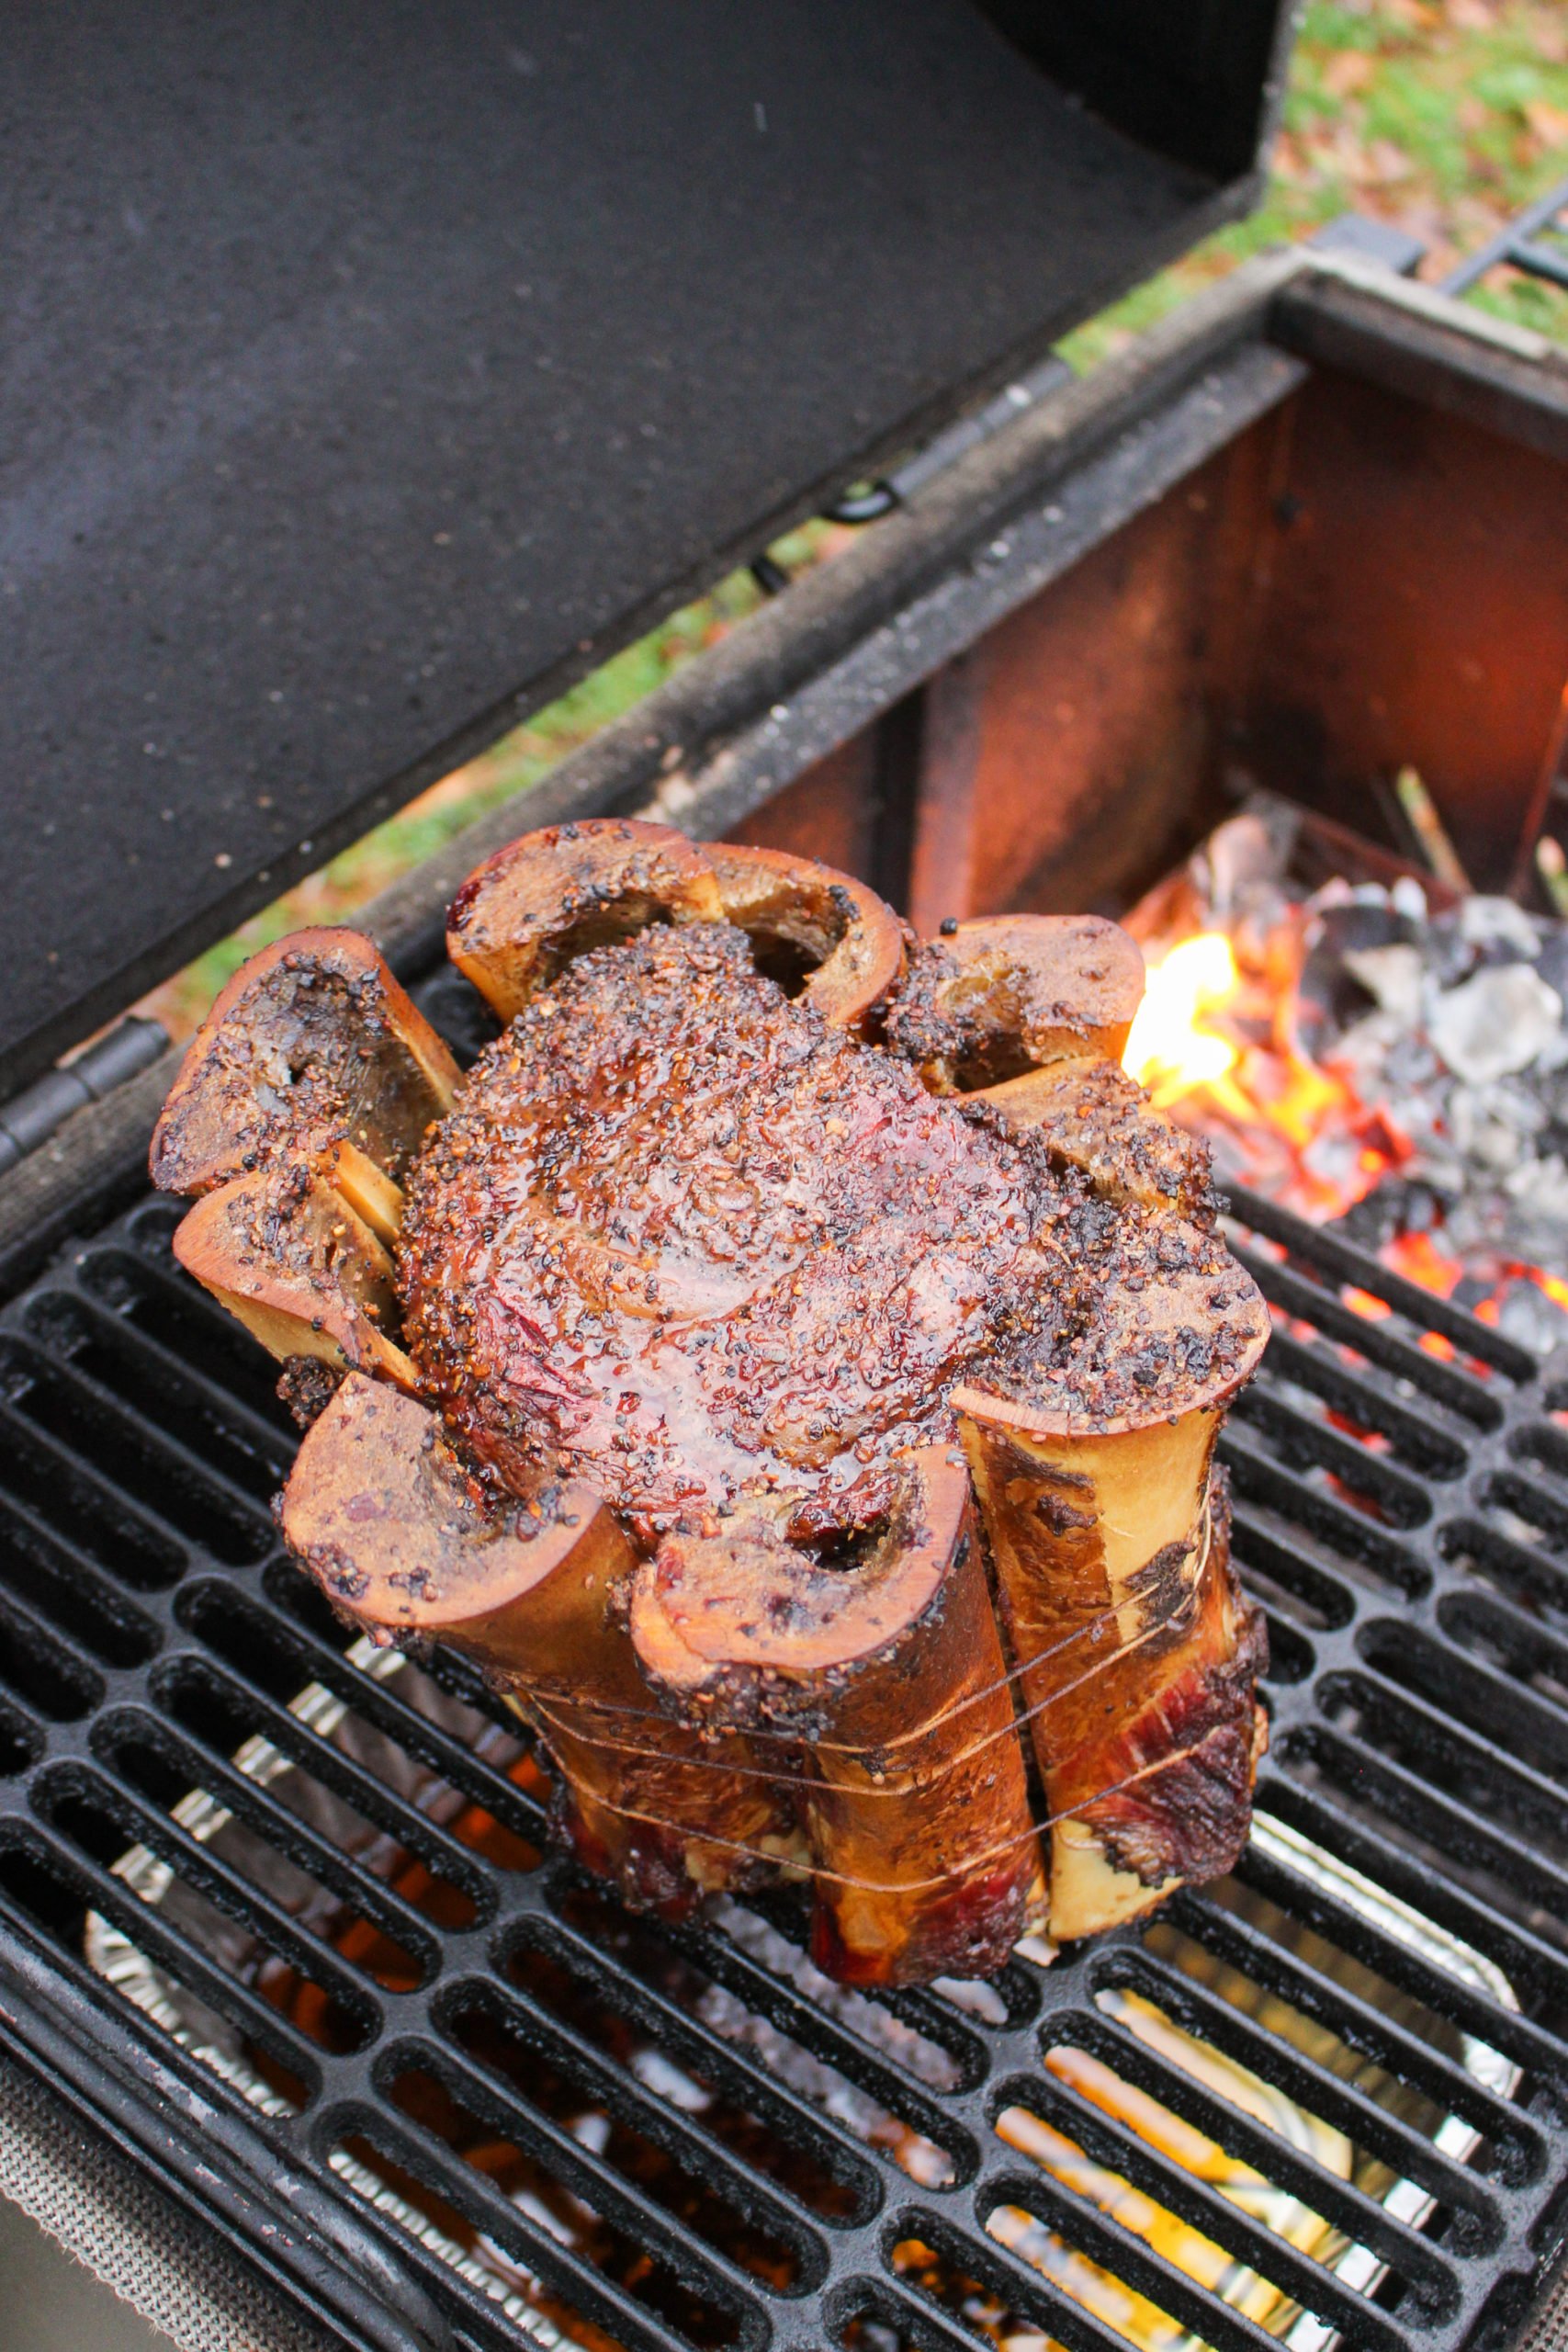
column 788, row 1363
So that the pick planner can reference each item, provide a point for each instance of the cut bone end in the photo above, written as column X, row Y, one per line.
column 289, row 1258
column 401, row 1539
column 1007, row 993
column 555, row 894
column 1093, row 1117
column 803, row 917
column 748, row 1628
column 1088, row 1894
column 312, row 1042
column 1173, row 1326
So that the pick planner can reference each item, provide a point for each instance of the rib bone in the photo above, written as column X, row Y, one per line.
column 800, row 914
column 1090, row 1458
column 889, row 1674
column 1095, row 1118
column 407, row 1544
column 1007, row 993
column 311, row 1043
column 285, row 1251
column 535, row 905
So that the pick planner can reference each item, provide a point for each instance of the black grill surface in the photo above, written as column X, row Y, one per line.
column 443, row 2053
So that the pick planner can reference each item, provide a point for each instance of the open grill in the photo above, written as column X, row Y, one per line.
column 441, row 2028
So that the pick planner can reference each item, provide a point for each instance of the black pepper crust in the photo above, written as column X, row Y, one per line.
column 680, row 1236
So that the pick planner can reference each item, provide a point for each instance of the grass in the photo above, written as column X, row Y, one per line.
column 1442, row 118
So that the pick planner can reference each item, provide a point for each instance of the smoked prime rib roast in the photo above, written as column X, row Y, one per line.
column 788, row 1363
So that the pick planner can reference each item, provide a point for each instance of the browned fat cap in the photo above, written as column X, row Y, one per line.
column 403, row 1539
column 1007, row 993
column 550, row 896
column 1093, row 1117
column 803, row 918
column 405, row 1543
column 299, row 1266
column 1091, row 1451
column 313, row 1045
column 880, row 1671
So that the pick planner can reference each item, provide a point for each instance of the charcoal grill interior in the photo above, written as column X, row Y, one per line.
column 287, row 1911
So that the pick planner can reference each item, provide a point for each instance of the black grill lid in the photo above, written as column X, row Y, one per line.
column 371, row 372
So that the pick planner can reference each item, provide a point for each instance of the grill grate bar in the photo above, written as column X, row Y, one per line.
column 1453, row 1826
column 1382, row 1343
column 1294, row 1433
column 1357, row 2022
column 336, row 1771
column 575, row 2163
column 1432, row 2281
column 1410, row 1743
column 284, row 1832
column 1529, row 1964
column 197, row 1868
column 1311, row 2087
column 1487, row 1709
column 1105, row 2239
column 1320, row 1248
column 683, row 2035
column 171, row 1948
column 599, row 2297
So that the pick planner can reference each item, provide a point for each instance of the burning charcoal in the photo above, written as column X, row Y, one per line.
column 1496, row 1023
column 1535, row 1217
column 1396, row 1205
column 1392, row 977
column 1499, row 927
column 1331, row 995
column 1528, row 1314
column 1450, row 957
column 408, row 1546
column 1551, row 963
column 889, row 1672
column 1492, row 1125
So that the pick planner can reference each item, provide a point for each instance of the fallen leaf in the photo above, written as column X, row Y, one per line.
column 1347, row 70
column 1549, row 124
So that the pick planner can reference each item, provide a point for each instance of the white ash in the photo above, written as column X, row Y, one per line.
column 1455, row 1025
column 1496, row 1023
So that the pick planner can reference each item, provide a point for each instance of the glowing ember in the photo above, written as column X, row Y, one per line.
column 1309, row 1041
column 1170, row 1050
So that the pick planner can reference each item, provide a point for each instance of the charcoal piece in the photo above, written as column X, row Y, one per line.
column 1495, row 1024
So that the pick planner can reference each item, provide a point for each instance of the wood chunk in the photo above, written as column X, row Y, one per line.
column 555, row 894
column 885, row 1676
column 1090, row 1455
column 1007, row 993
column 407, row 1544
column 1092, row 1117
column 312, row 1042
column 302, row 1270
column 813, row 929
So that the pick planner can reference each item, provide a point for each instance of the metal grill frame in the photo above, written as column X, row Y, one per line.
column 1502, row 2224
column 842, row 650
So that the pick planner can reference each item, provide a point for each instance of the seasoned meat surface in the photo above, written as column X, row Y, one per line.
column 680, row 1235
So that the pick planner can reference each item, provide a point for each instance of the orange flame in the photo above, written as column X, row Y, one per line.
column 1214, row 1044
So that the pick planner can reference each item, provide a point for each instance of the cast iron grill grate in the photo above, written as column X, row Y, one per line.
column 343, row 1909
